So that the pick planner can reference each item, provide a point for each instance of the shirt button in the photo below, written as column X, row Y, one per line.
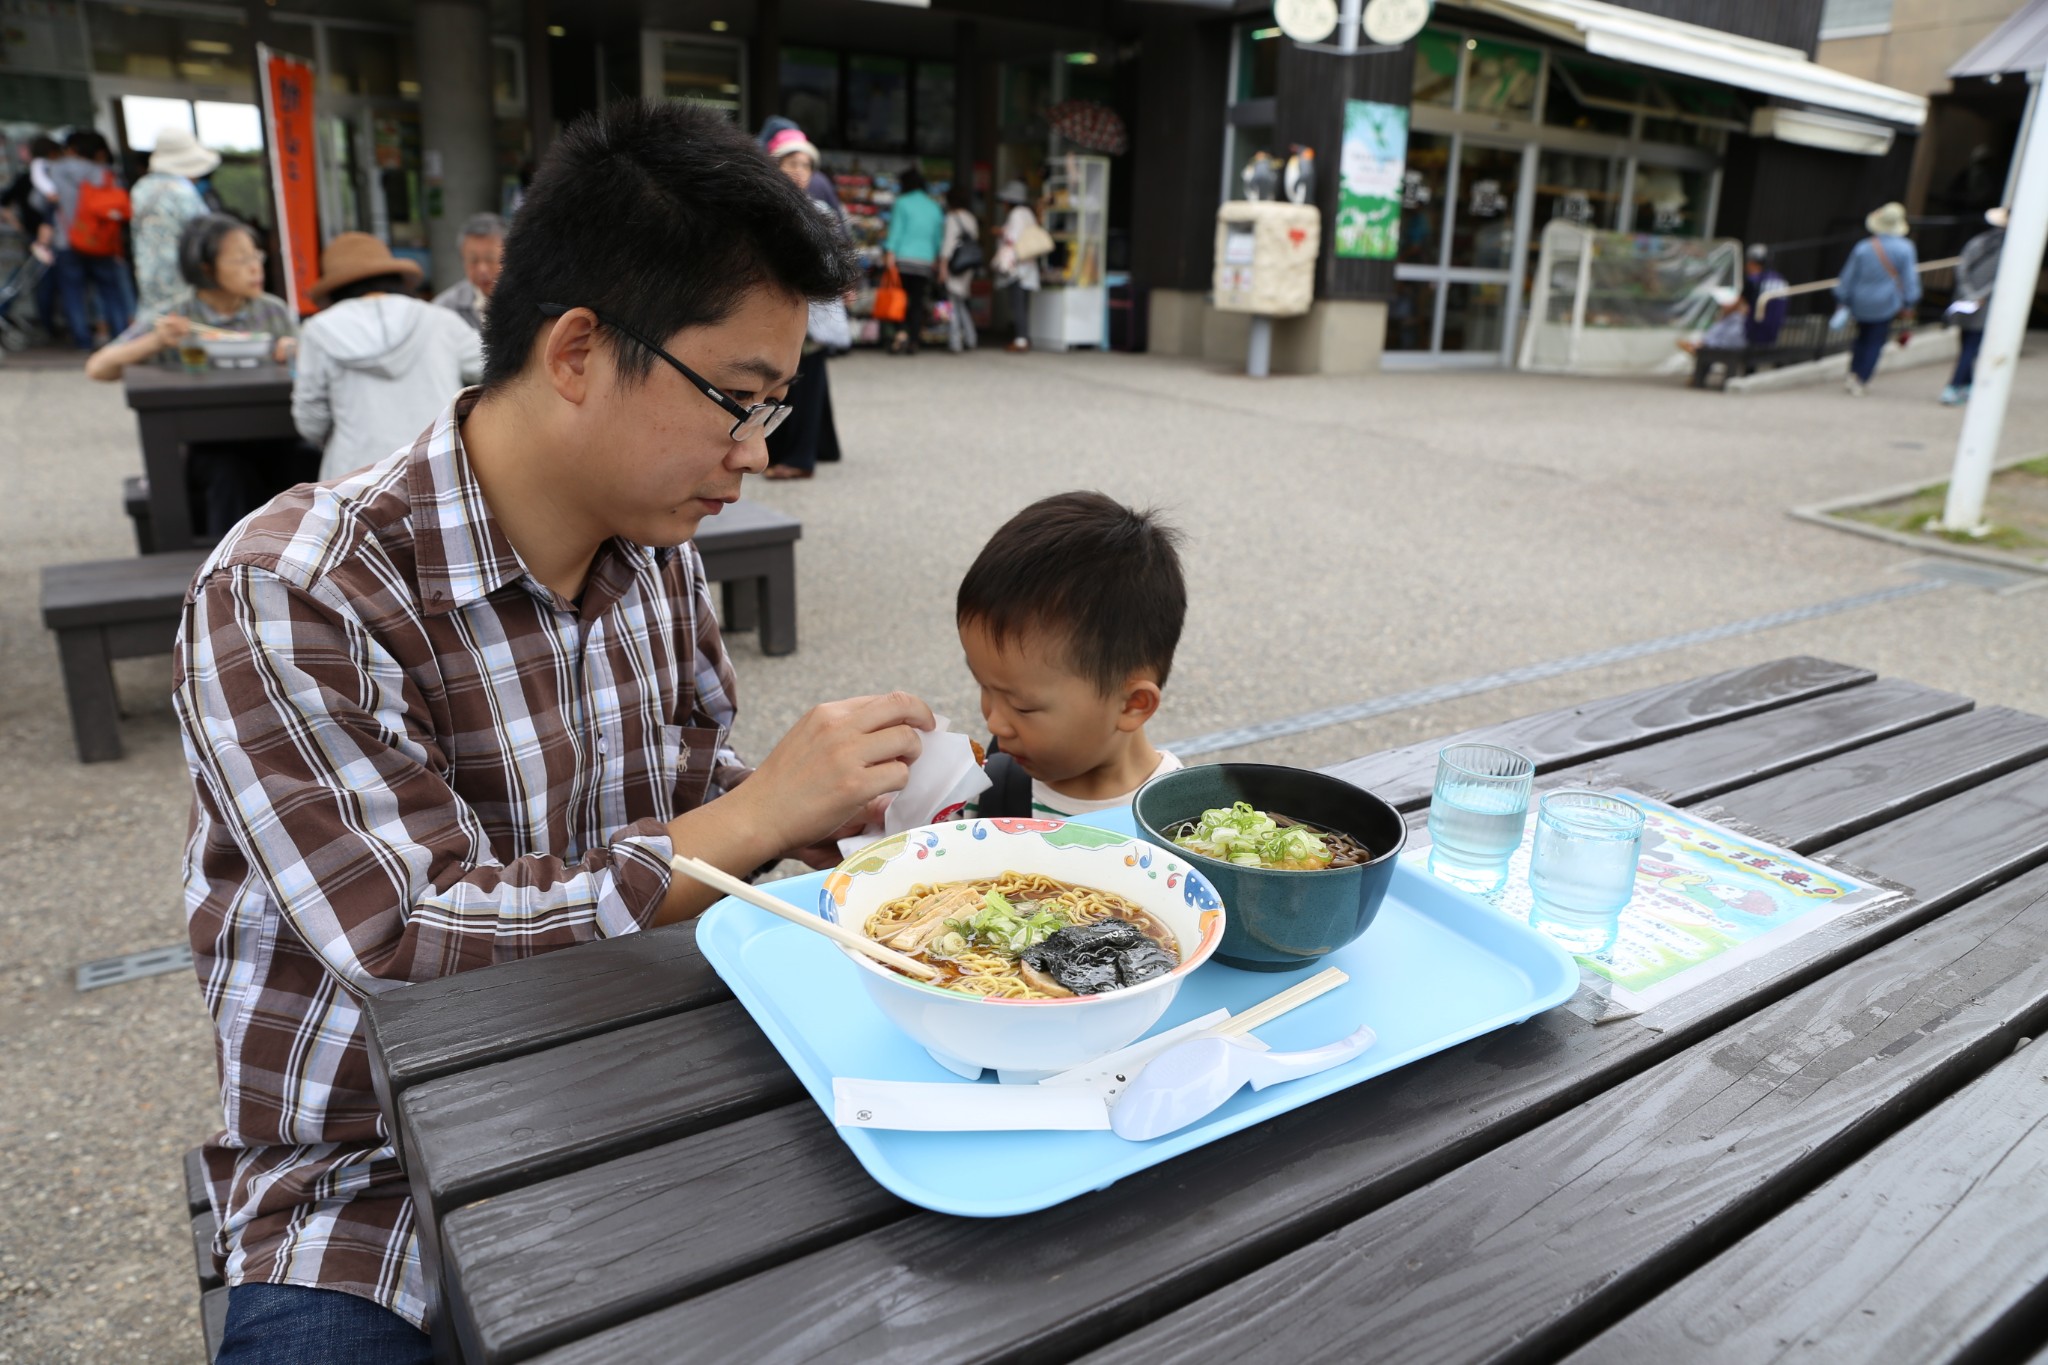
column 601, row 745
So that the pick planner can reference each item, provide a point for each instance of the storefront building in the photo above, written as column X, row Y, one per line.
column 1686, row 117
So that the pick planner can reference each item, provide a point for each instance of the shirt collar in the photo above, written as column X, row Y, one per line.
column 460, row 553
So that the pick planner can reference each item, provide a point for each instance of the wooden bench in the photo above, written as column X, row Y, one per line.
column 135, row 502
column 108, row 609
column 213, row 1290
column 750, row 551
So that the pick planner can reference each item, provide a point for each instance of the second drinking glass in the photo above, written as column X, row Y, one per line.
column 1476, row 814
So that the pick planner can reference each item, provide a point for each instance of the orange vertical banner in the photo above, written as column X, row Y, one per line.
column 294, row 183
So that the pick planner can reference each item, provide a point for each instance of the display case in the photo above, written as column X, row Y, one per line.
column 1072, row 303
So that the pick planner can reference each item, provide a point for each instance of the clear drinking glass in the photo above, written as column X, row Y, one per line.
column 1476, row 814
column 1583, row 867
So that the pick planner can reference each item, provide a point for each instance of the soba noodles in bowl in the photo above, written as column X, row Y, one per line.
column 1054, row 942
column 1302, row 858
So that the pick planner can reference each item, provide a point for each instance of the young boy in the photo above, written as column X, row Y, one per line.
column 1069, row 617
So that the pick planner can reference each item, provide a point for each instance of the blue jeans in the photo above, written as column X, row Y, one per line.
column 1966, row 358
column 109, row 281
column 287, row 1324
column 1870, row 340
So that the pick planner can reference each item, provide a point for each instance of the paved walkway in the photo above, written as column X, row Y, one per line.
column 1348, row 539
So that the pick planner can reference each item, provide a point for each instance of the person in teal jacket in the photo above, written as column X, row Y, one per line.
column 917, row 224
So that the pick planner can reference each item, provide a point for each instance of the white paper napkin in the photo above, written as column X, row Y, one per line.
column 944, row 778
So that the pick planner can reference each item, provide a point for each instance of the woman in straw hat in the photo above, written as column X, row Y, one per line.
column 380, row 363
column 162, row 202
column 1880, row 281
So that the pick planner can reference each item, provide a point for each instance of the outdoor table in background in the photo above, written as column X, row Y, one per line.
column 1833, row 1145
column 174, row 408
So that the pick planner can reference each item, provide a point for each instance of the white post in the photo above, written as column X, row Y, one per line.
column 1347, row 25
column 1258, row 360
column 2019, row 267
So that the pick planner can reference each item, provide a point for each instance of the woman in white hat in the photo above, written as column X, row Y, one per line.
column 1016, row 260
column 1880, row 281
column 162, row 202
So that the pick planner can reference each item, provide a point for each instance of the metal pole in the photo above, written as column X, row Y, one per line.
column 2012, row 295
column 1347, row 25
column 1258, row 359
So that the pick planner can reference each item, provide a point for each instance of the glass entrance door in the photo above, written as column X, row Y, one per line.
column 1455, row 274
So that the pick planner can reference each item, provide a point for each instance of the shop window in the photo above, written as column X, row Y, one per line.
column 370, row 62
column 1258, row 62
column 1565, row 100
column 508, row 77
column 170, row 47
column 878, row 103
column 1424, row 202
column 1411, row 315
column 1576, row 189
column 228, row 127
column 1483, row 228
column 143, row 117
column 1245, row 140
column 1437, row 55
column 1854, row 18
column 935, row 131
column 1475, row 316
column 1670, row 201
column 700, row 70
column 1500, row 80
column 810, row 92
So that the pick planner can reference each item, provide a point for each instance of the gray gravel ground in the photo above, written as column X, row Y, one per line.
column 1348, row 538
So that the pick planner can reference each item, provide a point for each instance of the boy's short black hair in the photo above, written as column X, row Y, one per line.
column 660, row 215
column 1086, row 567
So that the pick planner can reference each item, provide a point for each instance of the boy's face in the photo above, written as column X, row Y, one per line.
column 654, row 457
column 1054, row 723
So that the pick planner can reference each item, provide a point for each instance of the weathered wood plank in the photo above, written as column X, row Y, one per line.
column 1575, row 734
column 930, row 1288
column 722, row 1203
column 511, row 1123
column 1826, row 802
column 1930, row 1248
column 1524, row 1251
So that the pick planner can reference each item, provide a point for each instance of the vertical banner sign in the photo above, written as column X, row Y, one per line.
column 1370, row 169
column 288, row 137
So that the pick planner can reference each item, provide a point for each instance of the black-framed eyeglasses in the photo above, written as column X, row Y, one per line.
column 761, row 417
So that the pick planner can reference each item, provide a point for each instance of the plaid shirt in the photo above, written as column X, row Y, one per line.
column 409, row 758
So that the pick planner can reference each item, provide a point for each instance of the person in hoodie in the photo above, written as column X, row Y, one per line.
column 377, row 363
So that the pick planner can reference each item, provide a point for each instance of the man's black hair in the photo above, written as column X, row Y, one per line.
column 199, row 247
column 1087, row 568
column 392, row 283
column 661, row 216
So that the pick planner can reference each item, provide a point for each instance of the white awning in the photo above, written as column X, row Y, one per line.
column 1707, row 54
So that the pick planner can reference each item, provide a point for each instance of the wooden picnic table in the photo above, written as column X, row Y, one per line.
column 175, row 408
column 1835, row 1151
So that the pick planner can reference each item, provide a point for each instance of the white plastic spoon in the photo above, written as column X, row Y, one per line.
column 1191, row 1080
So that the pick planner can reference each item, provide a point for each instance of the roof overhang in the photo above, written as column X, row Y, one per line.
column 2018, row 44
column 1626, row 35
column 1829, row 131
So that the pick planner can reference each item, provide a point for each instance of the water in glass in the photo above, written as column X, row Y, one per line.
column 1473, row 831
column 1583, row 868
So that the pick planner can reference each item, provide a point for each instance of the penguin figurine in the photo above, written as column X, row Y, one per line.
column 1299, row 178
column 1261, row 177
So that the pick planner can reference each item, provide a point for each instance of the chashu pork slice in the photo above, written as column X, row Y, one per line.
column 938, row 907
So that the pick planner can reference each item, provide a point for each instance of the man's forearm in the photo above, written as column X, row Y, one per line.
column 725, row 833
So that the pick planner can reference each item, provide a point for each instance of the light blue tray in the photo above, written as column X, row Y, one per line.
column 1437, row 967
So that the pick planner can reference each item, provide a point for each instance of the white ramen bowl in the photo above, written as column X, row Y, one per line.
column 966, row 1033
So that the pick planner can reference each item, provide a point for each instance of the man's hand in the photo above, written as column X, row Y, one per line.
column 825, row 853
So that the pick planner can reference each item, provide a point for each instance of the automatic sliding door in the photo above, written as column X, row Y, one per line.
column 1454, row 271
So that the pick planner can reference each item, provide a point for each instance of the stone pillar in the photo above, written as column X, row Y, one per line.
column 453, row 38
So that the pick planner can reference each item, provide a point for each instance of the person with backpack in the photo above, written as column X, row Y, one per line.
column 1880, row 281
column 959, row 259
column 1975, row 275
column 92, row 210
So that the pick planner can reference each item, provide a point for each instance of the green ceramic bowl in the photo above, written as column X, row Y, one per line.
column 1280, row 920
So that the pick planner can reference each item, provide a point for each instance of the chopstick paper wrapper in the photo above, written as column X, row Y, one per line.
column 963, row 1107
column 944, row 778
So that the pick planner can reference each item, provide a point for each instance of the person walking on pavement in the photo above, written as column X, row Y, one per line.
column 1013, row 267
column 377, row 363
column 1975, row 274
column 483, row 255
column 1880, row 282
column 164, row 201
column 91, row 209
column 917, row 225
column 809, row 434
column 959, row 260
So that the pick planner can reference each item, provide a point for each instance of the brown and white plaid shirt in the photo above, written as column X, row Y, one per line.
column 409, row 758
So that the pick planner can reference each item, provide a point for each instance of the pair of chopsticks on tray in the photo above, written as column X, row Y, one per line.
column 719, row 880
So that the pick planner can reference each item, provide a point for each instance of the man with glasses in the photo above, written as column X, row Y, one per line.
column 462, row 706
